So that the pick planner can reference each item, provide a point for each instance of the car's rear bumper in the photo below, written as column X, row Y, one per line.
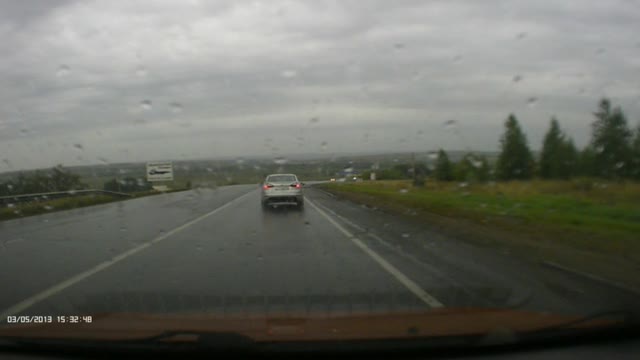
column 282, row 200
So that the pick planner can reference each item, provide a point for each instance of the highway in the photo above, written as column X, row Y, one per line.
column 217, row 251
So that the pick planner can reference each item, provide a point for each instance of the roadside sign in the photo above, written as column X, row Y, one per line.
column 160, row 171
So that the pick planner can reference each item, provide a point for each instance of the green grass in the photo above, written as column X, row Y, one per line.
column 582, row 219
column 612, row 211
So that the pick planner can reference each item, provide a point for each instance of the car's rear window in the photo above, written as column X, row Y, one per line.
column 281, row 178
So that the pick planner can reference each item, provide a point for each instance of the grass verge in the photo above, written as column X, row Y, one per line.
column 42, row 207
column 583, row 224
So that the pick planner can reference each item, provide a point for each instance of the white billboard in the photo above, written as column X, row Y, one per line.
column 160, row 171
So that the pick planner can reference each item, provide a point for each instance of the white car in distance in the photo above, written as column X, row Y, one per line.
column 282, row 190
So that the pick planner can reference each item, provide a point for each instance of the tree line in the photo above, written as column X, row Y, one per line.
column 612, row 153
column 53, row 180
column 58, row 179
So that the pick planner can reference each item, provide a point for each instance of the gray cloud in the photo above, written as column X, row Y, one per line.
column 151, row 80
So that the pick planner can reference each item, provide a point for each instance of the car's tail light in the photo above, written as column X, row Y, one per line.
column 267, row 186
column 297, row 186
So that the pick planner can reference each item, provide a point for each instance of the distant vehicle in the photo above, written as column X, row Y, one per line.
column 158, row 172
column 342, row 180
column 333, row 179
column 282, row 190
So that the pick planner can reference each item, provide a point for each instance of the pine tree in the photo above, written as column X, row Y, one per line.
column 586, row 162
column 515, row 160
column 611, row 140
column 635, row 151
column 559, row 154
column 570, row 159
column 444, row 169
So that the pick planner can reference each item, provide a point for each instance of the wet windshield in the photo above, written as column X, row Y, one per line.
column 476, row 161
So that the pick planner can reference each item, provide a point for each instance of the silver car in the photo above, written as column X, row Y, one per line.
column 282, row 189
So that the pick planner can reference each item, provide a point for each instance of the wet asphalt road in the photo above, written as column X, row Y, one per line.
column 217, row 251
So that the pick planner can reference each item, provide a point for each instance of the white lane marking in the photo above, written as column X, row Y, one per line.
column 391, row 247
column 27, row 303
column 397, row 274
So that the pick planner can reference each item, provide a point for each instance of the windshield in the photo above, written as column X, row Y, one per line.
column 358, row 161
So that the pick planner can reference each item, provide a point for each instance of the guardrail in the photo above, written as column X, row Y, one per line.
column 13, row 199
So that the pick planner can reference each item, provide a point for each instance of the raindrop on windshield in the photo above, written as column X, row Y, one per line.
column 280, row 160
column 141, row 71
column 239, row 161
column 398, row 46
column 620, row 164
column 313, row 120
column 403, row 191
column 599, row 148
column 521, row 35
column 103, row 160
column 289, row 73
column 532, row 101
column 450, row 124
column 405, row 235
column 176, row 107
column 517, row 78
column 324, row 145
column 78, row 146
column 63, row 70
column 457, row 59
column 433, row 155
column 146, row 104
column 600, row 51
column 48, row 207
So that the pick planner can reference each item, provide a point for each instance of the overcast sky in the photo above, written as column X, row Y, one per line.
column 108, row 81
